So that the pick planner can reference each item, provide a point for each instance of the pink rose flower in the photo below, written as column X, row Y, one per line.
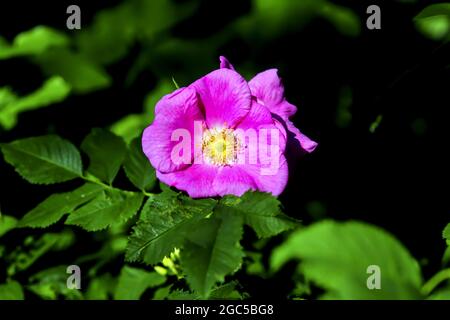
column 223, row 135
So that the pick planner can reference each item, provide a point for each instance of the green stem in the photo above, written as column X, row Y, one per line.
column 148, row 194
column 431, row 284
column 94, row 180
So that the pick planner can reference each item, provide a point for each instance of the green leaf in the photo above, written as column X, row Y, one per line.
column 271, row 18
column 51, row 284
column 82, row 74
column 11, row 290
column 3, row 43
column 226, row 291
column 54, row 90
column 33, row 42
column 137, row 167
column 6, row 97
column 212, row 252
column 101, row 288
column 52, row 209
column 133, row 282
column 165, row 222
column 110, row 35
column 446, row 233
column 434, row 21
column 446, row 256
column 344, row 19
column 374, row 125
column 106, row 153
column 44, row 160
column 336, row 257
column 442, row 294
column 162, row 293
column 179, row 294
column 110, row 250
column 130, row 126
column 7, row 223
column 24, row 257
column 261, row 211
column 254, row 264
column 114, row 30
column 110, row 207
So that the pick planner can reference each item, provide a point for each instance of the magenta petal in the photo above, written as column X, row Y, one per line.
column 268, row 88
column 224, row 63
column 306, row 143
column 273, row 183
column 177, row 97
column 259, row 118
column 225, row 96
column 176, row 111
column 197, row 180
column 233, row 180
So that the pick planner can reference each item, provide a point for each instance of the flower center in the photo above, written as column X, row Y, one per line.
column 220, row 146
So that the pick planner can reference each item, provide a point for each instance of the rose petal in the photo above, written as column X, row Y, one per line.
column 197, row 180
column 269, row 90
column 224, row 63
column 233, row 180
column 305, row 143
column 273, row 182
column 176, row 111
column 225, row 96
column 261, row 121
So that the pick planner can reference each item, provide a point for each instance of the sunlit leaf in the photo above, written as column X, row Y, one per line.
column 101, row 287
column 442, row 294
column 446, row 233
column 114, row 30
column 7, row 223
column 344, row 19
column 133, row 282
column 374, row 125
column 34, row 248
column 11, row 290
column 33, row 42
column 434, row 21
column 51, row 284
column 130, row 126
column 336, row 257
column 83, row 75
column 54, row 90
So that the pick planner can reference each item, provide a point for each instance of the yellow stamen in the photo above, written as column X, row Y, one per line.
column 220, row 146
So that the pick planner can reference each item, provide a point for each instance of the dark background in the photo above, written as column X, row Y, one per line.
column 396, row 177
